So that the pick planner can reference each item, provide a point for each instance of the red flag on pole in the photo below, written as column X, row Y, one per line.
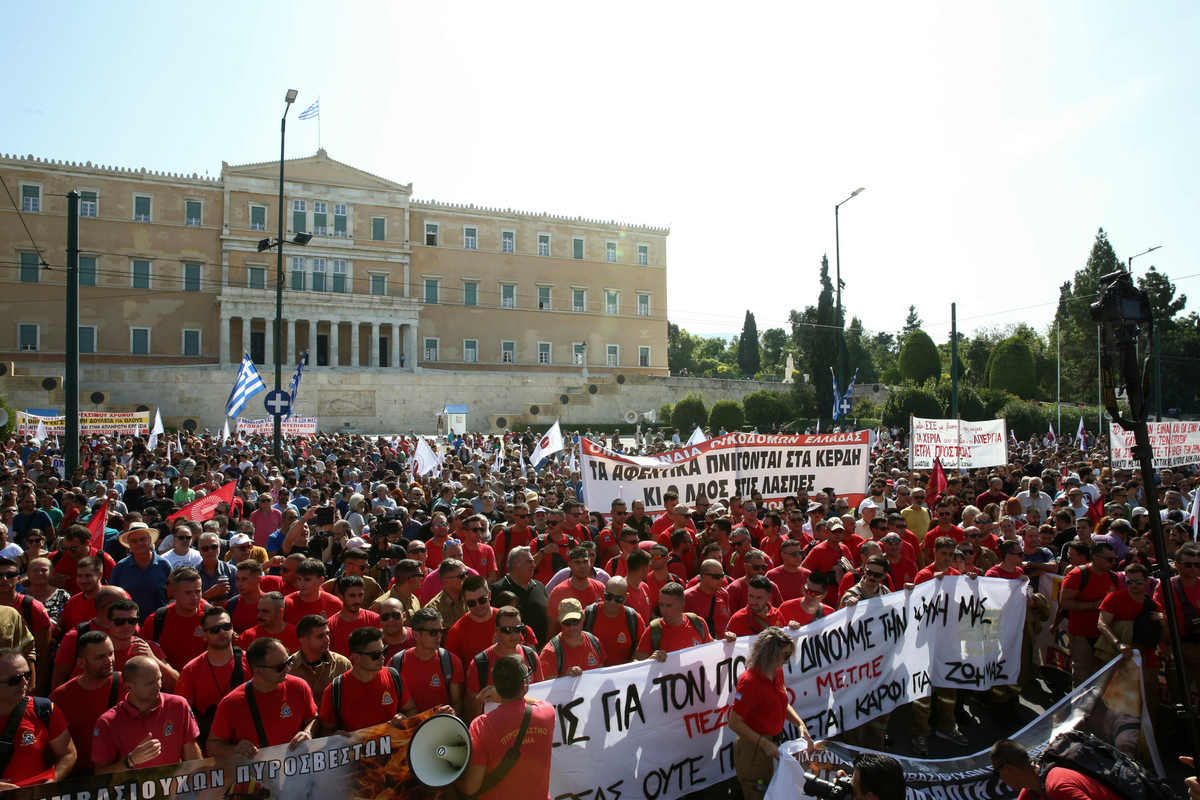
column 205, row 508
column 97, row 523
column 937, row 483
column 1095, row 510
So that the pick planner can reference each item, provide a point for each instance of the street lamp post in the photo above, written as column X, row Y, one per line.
column 837, row 249
column 1157, row 371
column 277, row 441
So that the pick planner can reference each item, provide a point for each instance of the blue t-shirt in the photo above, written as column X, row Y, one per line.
column 147, row 587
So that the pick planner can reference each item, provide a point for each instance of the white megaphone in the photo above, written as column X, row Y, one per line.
column 439, row 750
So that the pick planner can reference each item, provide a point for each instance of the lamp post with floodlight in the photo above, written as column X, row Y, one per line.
column 837, row 246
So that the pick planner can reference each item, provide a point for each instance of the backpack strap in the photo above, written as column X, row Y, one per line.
column 447, row 665
column 336, row 690
column 631, row 621
column 559, row 655
column 239, row 672
column 115, row 691
column 252, row 702
column 531, row 657
column 493, row 778
column 231, row 605
column 27, row 610
column 697, row 623
column 397, row 682
column 595, row 642
column 589, row 618
column 160, row 621
column 10, row 732
column 712, row 612
column 482, row 668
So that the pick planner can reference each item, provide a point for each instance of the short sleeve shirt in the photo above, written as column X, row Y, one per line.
column 30, row 743
column 492, row 735
column 364, row 704
column 761, row 701
column 284, row 711
column 425, row 681
column 121, row 729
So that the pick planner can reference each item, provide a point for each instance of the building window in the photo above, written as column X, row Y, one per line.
column 31, row 198
column 643, row 305
column 339, row 220
column 29, row 268
column 643, row 254
column 191, row 342
column 139, row 341
column 508, row 295
column 318, row 274
column 193, row 209
column 612, row 355
column 191, row 277
column 578, row 353
column 610, row 252
column 339, row 275
column 431, row 290
column 142, row 207
column 431, row 349
column 579, row 300
column 543, row 352
column 508, row 241
column 470, row 294
column 318, row 219
column 141, row 275
column 30, row 337
column 87, row 270
column 258, row 218
column 643, row 356
column 508, row 352
column 87, row 339
column 256, row 278
column 470, row 350
column 379, row 229
column 543, row 244
column 577, row 247
column 299, row 216
column 611, row 302
column 431, row 234
column 89, row 204
column 379, row 285
column 297, row 273
column 470, row 238
column 543, row 294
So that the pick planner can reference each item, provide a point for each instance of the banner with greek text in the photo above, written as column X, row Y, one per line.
column 293, row 426
column 736, row 463
column 650, row 731
column 1175, row 444
column 91, row 423
column 958, row 443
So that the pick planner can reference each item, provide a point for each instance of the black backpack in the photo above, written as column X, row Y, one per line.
column 631, row 622
column 483, row 667
column 1096, row 758
column 561, row 657
column 556, row 559
column 443, row 655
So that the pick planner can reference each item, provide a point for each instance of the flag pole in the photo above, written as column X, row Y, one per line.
column 318, row 123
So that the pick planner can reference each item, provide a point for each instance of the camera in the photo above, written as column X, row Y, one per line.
column 839, row 789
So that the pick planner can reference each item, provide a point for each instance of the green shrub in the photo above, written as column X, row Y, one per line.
column 1026, row 419
column 1011, row 368
column 970, row 406
column 9, row 428
column 890, row 376
column 727, row 414
column 907, row 401
column 865, row 408
column 765, row 407
column 993, row 401
column 664, row 414
column 689, row 412
column 919, row 358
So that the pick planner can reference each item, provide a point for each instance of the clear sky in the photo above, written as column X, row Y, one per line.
column 993, row 138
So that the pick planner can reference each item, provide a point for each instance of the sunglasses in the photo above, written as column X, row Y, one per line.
column 811, row 592
column 183, row 536
column 967, row 552
column 1188, row 564
column 209, row 548
column 479, row 601
column 1135, row 582
column 224, row 627
column 521, row 516
column 571, row 623
column 281, row 666
column 614, row 598
column 757, row 567
column 717, row 575
column 739, row 542
column 9, row 576
column 20, row 678
column 974, row 535
column 431, row 631
column 789, row 552
column 372, row 654
column 875, row 576
column 509, row 630
column 889, row 540
column 121, row 622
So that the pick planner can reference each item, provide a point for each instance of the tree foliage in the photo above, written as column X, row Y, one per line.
column 919, row 359
column 765, row 408
column 9, row 428
column 664, row 414
column 906, row 401
column 911, row 323
column 823, row 357
column 774, row 345
column 689, row 412
column 1011, row 368
column 727, row 414
column 748, row 356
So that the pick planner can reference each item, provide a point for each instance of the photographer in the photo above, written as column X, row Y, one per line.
column 876, row 776
column 761, row 710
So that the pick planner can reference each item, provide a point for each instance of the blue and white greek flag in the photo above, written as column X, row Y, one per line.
column 294, row 386
column 248, row 384
column 837, row 398
column 847, row 403
column 312, row 111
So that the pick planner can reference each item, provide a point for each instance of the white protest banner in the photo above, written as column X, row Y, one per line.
column 650, row 731
column 1175, row 444
column 293, row 426
column 958, row 443
column 736, row 463
column 91, row 423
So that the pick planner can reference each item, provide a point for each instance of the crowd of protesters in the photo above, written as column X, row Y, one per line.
column 338, row 590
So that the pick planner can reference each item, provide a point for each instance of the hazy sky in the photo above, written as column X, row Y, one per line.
column 993, row 139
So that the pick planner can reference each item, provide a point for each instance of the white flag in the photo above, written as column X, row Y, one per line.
column 154, row 442
column 499, row 457
column 424, row 459
column 1079, row 437
column 158, row 426
column 550, row 444
column 41, row 431
column 571, row 466
column 524, row 466
column 225, row 433
column 697, row 437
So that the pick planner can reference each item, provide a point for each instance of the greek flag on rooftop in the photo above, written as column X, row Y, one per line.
column 248, row 384
column 312, row 111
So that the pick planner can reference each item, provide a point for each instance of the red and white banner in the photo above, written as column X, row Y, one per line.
column 957, row 443
column 736, row 463
column 1176, row 444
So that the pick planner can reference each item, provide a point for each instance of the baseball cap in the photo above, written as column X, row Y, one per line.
column 570, row 608
column 238, row 539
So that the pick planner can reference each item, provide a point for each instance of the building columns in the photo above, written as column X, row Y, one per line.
column 373, row 345
column 245, row 337
column 412, row 357
column 291, row 350
column 333, row 343
column 224, row 333
column 269, row 343
column 396, row 346
column 355, row 358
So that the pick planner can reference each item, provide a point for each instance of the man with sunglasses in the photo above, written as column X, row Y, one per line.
column 580, row 586
column 574, row 650
column 755, row 563
column 283, row 702
column 397, row 636
column 218, row 579
column 510, row 640
column 181, row 552
column 615, row 622
column 431, row 673
column 64, row 659
column 477, row 555
column 210, row 676
column 790, row 576
column 33, row 735
column 367, row 694
column 475, row 631
column 34, row 613
column 1081, row 593
column 708, row 599
column 406, row 582
column 811, row 605
column 517, row 534
column 872, row 582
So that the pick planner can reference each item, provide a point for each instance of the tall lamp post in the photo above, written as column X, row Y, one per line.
column 1157, row 370
column 837, row 249
column 276, row 442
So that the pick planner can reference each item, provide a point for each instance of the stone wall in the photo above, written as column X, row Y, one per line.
column 369, row 400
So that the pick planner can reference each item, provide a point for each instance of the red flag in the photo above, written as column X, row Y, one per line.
column 937, row 483
column 97, row 523
column 205, row 508
column 1095, row 510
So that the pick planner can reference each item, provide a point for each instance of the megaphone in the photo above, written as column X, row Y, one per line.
column 439, row 750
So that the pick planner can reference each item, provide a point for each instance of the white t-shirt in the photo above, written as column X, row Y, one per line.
column 192, row 558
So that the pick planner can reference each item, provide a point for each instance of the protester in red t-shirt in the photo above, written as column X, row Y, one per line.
column 803, row 610
column 149, row 728
column 475, row 554
column 758, row 614
column 708, row 599
column 367, row 694
column 90, row 694
column 397, row 636
column 1081, row 593
column 82, row 606
column 122, row 617
column 74, row 545
column 581, row 586
column 243, row 609
column 943, row 554
column 676, row 630
column 755, row 563
column 424, row 669
column 272, row 623
column 1011, row 763
column 1126, row 605
column 42, row 753
column 574, row 649
column 309, row 597
column 474, row 631
column 789, row 577
column 352, row 615
column 510, row 639
column 945, row 527
column 615, row 622
column 208, row 677
column 179, row 630
column 1009, row 568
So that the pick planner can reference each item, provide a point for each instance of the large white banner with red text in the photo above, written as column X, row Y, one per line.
column 957, row 443
column 1176, row 444
column 293, row 426
column 736, row 463
column 650, row 731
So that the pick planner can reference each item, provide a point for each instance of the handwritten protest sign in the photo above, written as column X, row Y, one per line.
column 957, row 443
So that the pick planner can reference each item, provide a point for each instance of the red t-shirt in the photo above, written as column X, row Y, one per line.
column 505, row 541
column 392, row 650
column 120, row 656
column 76, row 610
column 607, row 540
column 31, row 745
column 927, row 574
column 822, row 557
column 709, row 606
column 1083, row 623
column 425, row 681
column 491, row 737
column 364, row 704
column 593, row 592
column 738, row 593
column 653, row 586
column 340, row 629
column 86, row 707
column 41, row 620
column 903, row 572
column 473, row 685
column 791, row 611
column 287, row 637
column 997, row 572
column 65, row 565
column 482, row 559
column 583, row 655
column 468, row 637
column 122, row 728
column 614, row 635
column 284, row 712
column 295, row 609
column 639, row 600
column 744, row 623
column 203, row 685
column 1067, row 784
column 244, row 615
column 933, row 534
column 674, row 637
column 790, row 584
column 1193, row 596
column 182, row 638
column 1124, row 609
column 761, row 701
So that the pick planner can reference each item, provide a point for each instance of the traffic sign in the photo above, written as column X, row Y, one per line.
column 278, row 403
